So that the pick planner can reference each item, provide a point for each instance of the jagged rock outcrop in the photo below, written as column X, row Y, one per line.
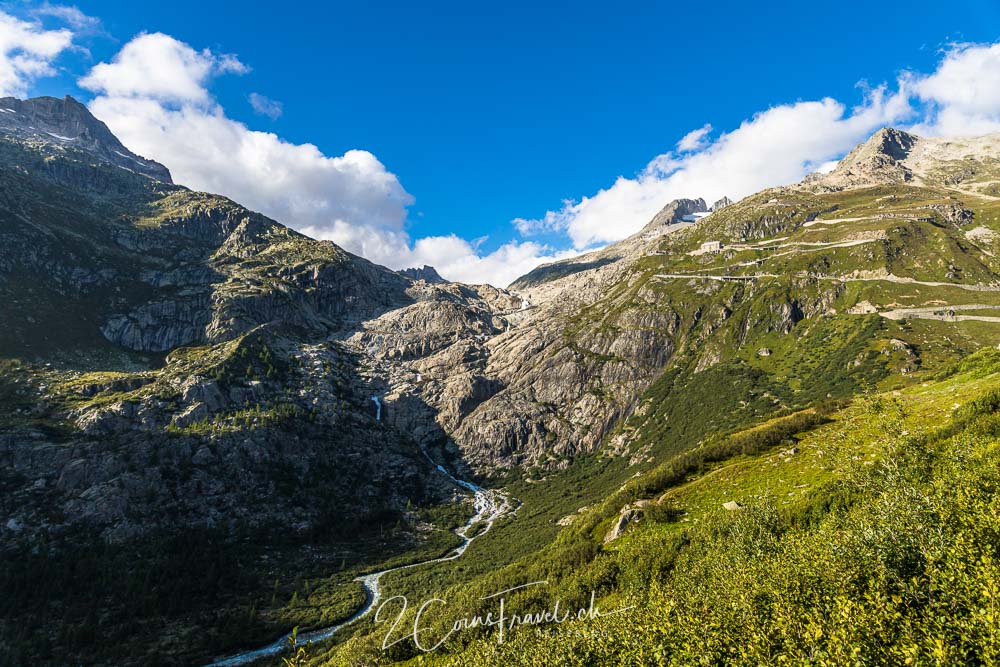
column 426, row 273
column 65, row 123
column 721, row 204
column 626, row 517
column 674, row 212
column 878, row 161
column 253, row 397
column 955, row 214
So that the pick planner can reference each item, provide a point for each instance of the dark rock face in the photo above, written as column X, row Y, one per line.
column 426, row 273
column 266, row 421
column 892, row 142
column 68, row 124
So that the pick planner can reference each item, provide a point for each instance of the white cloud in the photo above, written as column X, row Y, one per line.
column 454, row 258
column 71, row 16
column 827, row 167
column 780, row 145
column 294, row 183
column 154, row 97
column 158, row 67
column 457, row 259
column 27, row 52
column 265, row 106
column 695, row 139
column 963, row 94
column 784, row 143
column 550, row 222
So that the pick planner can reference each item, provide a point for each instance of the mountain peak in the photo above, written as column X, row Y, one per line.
column 675, row 212
column 426, row 273
column 891, row 142
column 721, row 204
column 877, row 161
column 66, row 123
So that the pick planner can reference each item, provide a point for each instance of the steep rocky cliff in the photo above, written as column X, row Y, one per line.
column 425, row 273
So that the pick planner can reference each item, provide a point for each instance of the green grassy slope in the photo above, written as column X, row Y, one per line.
column 869, row 539
column 750, row 407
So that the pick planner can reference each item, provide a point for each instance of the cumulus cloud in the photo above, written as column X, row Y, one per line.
column 265, row 106
column 27, row 52
column 294, row 183
column 963, row 95
column 154, row 96
column 695, row 139
column 779, row 145
column 457, row 259
column 454, row 258
column 827, row 167
column 783, row 144
column 158, row 67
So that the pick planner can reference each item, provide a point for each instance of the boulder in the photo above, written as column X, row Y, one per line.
column 628, row 515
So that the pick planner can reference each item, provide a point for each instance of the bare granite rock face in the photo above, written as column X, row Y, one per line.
column 626, row 517
column 721, row 204
column 893, row 156
column 206, row 384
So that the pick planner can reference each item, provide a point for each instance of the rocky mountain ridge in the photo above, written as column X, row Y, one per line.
column 54, row 123
column 605, row 325
column 497, row 378
column 154, row 330
column 506, row 377
column 425, row 273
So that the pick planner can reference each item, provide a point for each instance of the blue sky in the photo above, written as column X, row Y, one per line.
column 491, row 112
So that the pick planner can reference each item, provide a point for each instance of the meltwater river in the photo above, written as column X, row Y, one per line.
column 490, row 505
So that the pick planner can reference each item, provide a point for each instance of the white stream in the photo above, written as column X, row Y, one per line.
column 490, row 505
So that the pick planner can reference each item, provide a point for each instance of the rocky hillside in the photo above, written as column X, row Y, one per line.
column 152, row 329
column 904, row 229
column 163, row 292
column 173, row 362
column 767, row 414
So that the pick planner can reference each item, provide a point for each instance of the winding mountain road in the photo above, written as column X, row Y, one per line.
column 946, row 313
